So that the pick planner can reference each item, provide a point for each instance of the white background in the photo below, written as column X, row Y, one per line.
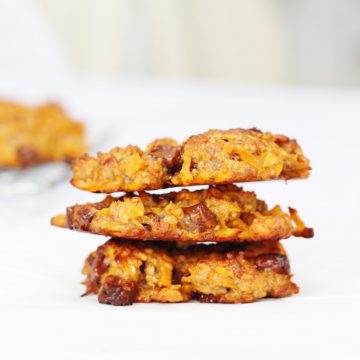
column 41, row 313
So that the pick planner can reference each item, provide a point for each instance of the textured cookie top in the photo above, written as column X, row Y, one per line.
column 122, row 272
column 214, row 157
column 220, row 213
column 36, row 135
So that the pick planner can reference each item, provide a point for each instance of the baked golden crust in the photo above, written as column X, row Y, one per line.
column 42, row 134
column 214, row 157
column 121, row 272
column 220, row 213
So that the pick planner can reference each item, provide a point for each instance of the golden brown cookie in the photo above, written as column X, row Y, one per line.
column 36, row 135
column 122, row 272
column 220, row 213
column 214, row 157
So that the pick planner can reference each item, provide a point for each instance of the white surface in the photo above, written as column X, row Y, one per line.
column 41, row 313
column 28, row 40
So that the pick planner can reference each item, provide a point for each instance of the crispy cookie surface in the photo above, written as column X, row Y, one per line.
column 220, row 213
column 214, row 157
column 31, row 136
column 121, row 272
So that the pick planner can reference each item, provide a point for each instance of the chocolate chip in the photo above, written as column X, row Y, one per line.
column 118, row 292
column 28, row 156
column 79, row 217
column 171, row 155
column 272, row 262
column 200, row 216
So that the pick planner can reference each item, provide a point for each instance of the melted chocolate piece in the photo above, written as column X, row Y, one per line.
column 28, row 156
column 118, row 292
column 83, row 218
column 201, row 216
column 171, row 155
column 272, row 262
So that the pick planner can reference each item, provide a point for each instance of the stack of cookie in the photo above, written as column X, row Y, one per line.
column 218, row 244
